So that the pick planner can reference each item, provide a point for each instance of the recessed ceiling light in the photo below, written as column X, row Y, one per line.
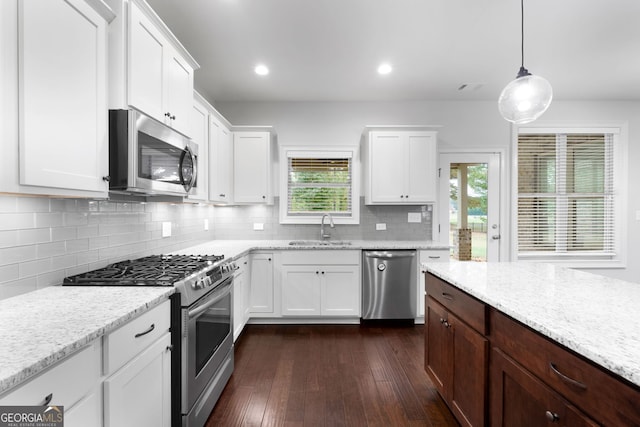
column 384, row 68
column 261, row 70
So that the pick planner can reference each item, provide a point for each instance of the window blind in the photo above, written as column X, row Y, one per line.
column 319, row 185
column 565, row 194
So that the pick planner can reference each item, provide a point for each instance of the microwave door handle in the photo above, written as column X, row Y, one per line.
column 188, row 185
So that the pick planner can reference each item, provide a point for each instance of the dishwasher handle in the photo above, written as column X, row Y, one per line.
column 390, row 254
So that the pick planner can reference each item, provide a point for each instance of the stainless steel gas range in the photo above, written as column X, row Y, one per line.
column 201, row 326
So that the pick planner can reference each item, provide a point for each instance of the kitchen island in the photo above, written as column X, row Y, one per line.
column 551, row 334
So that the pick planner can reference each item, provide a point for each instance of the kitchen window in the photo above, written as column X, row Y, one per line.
column 319, row 182
column 570, row 195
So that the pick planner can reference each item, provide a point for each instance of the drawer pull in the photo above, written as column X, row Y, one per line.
column 151, row 328
column 566, row 379
column 47, row 399
column 447, row 296
column 434, row 257
column 552, row 416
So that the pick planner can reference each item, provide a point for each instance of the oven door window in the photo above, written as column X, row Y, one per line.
column 212, row 327
column 158, row 160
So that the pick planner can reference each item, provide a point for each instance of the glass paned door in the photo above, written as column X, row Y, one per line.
column 469, row 205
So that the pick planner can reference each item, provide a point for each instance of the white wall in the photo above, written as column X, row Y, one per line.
column 465, row 124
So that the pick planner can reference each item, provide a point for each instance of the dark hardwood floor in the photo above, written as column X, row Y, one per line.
column 330, row 375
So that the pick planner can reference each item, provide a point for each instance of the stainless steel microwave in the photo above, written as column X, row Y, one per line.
column 148, row 157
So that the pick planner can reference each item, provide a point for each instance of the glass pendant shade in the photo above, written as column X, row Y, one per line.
column 525, row 98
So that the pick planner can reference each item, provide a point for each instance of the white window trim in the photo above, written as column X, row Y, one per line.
column 320, row 152
column 620, row 134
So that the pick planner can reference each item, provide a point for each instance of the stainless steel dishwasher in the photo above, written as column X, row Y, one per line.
column 389, row 284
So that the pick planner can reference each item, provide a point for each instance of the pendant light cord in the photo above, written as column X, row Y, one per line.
column 522, row 33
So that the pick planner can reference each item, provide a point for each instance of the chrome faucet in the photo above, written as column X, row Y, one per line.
column 323, row 234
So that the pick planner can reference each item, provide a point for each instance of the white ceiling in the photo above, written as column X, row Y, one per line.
column 328, row 50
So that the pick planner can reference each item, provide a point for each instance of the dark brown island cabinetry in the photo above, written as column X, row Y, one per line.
column 525, row 379
column 456, row 350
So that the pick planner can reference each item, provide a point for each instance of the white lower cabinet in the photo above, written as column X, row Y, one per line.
column 73, row 383
column 261, row 288
column 139, row 394
column 137, row 364
column 241, row 282
column 425, row 257
column 320, row 283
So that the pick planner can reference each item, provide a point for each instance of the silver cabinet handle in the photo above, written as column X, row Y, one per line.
column 151, row 328
column 447, row 296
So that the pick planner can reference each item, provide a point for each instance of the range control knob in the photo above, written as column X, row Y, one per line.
column 195, row 285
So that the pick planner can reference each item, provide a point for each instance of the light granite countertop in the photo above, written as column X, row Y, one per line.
column 39, row 328
column 238, row 248
column 595, row 316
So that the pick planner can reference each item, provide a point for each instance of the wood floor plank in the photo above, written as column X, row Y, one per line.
column 330, row 375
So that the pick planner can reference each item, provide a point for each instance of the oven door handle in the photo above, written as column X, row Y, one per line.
column 221, row 292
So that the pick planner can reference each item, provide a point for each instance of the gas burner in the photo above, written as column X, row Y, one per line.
column 154, row 270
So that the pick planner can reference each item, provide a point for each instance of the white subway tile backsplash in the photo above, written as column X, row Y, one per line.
column 33, row 204
column 52, row 278
column 17, row 287
column 77, row 246
column 8, row 204
column 8, row 238
column 34, row 268
column 63, row 233
column 17, row 221
column 87, row 231
column 48, row 219
column 9, row 272
column 75, row 218
column 17, row 254
column 47, row 250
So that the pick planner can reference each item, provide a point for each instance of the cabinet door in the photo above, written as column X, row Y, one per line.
column 200, row 135
column 239, row 283
column 63, row 95
column 87, row 412
column 251, row 167
column 139, row 394
column 520, row 399
column 421, row 168
column 437, row 353
column 387, row 167
column 470, row 364
column 147, row 64
column 220, row 162
column 179, row 92
column 340, row 290
column 300, row 290
column 261, row 300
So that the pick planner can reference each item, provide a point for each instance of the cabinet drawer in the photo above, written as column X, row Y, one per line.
column 439, row 255
column 124, row 343
column 321, row 257
column 463, row 305
column 607, row 399
column 67, row 381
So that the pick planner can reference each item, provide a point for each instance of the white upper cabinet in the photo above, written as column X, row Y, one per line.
column 60, row 143
column 149, row 69
column 220, row 161
column 252, row 167
column 200, row 135
column 400, row 167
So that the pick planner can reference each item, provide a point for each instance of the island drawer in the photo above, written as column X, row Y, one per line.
column 600, row 394
column 124, row 343
column 463, row 305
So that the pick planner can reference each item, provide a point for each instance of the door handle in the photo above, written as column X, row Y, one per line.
column 496, row 237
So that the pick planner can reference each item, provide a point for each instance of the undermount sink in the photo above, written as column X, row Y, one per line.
column 319, row 243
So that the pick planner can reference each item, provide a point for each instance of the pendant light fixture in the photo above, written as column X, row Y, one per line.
column 528, row 96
